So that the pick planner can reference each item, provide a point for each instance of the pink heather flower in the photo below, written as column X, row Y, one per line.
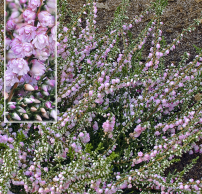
column 167, row 52
column 38, row 68
column 147, row 157
column 40, row 41
column 29, row 80
column 41, row 30
column 166, row 90
column 33, row 4
column 51, row 5
column 29, row 16
column 159, row 54
column 140, row 154
column 45, row 88
column 27, row 33
column 10, row 25
column 14, row 42
column 15, row 14
column 41, row 190
column 21, row 110
column 158, row 46
column 51, row 82
column 191, row 152
column 95, row 126
column 18, row 66
column 81, row 134
column 11, row 105
column 65, row 29
column 48, row 104
column 16, row 116
column 27, row 49
column 85, row 138
column 42, row 54
column 124, row 27
column 46, row 19
column 138, row 130
column 17, row 47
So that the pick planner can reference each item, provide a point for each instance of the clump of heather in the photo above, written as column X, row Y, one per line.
column 120, row 123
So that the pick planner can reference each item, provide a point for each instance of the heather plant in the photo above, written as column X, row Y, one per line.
column 30, row 60
column 120, row 123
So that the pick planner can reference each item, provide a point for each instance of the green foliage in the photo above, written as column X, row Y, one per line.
column 20, row 137
column 198, row 50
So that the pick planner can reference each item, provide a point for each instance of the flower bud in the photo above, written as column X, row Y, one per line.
column 28, row 100
column 25, row 116
column 5, row 95
column 28, row 87
column 50, row 82
column 53, row 114
column 20, row 109
column 46, row 94
column 24, row 105
column 38, row 68
column 11, row 106
column 48, row 104
column 37, row 101
column 10, row 25
column 44, row 114
column 33, row 109
column 45, row 88
column 38, row 118
column 16, row 116
column 43, row 110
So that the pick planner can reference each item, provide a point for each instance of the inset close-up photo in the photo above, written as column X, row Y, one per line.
column 30, row 61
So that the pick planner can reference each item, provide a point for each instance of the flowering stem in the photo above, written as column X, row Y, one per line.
column 39, row 9
column 12, row 91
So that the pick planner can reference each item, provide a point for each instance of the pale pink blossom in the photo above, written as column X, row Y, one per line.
column 26, row 33
column 46, row 19
column 41, row 30
column 42, row 54
column 40, row 41
column 53, row 114
column 23, row 1
column 16, row 116
column 10, row 25
column 33, row 4
column 15, row 14
column 27, row 49
column 17, row 48
column 38, row 68
column 48, row 104
column 10, row 78
column 29, row 16
column 18, row 66
column 50, row 5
